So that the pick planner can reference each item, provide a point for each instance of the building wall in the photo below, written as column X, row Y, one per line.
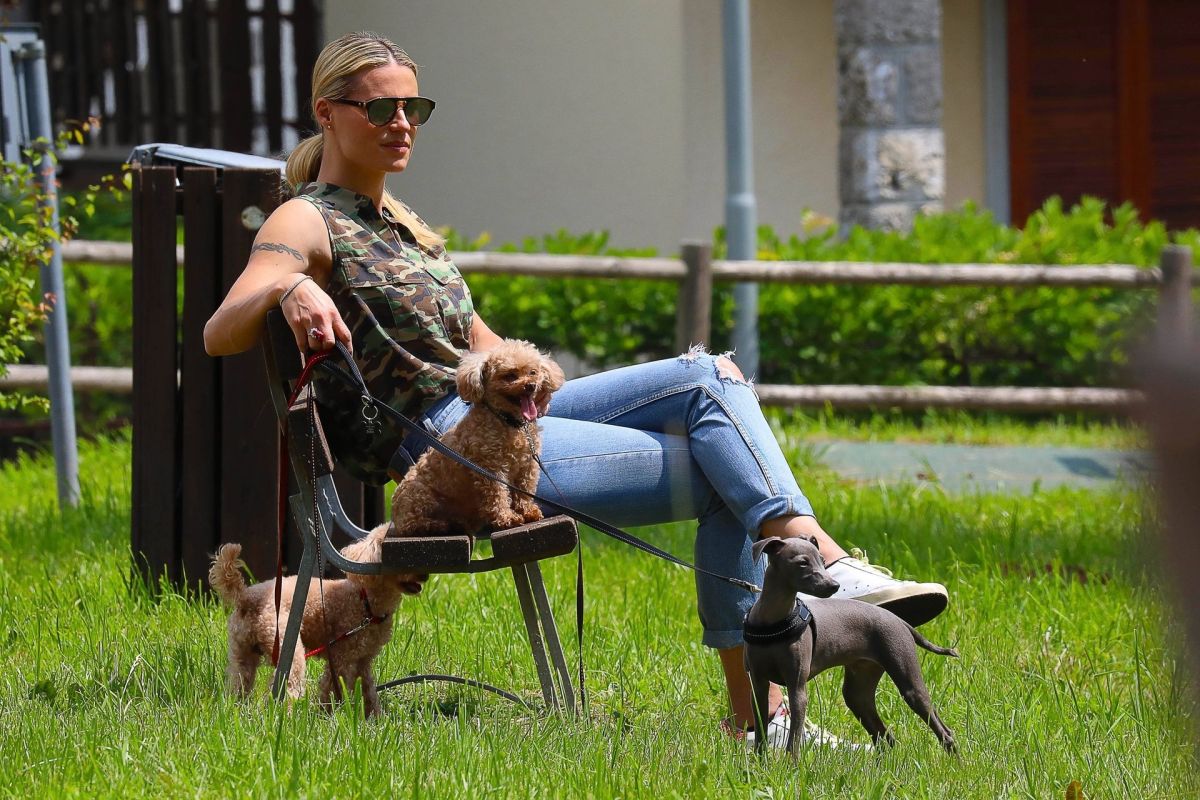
column 586, row 116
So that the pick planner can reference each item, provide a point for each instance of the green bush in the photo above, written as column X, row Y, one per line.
column 872, row 334
column 27, row 238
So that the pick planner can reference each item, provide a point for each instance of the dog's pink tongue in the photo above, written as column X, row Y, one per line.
column 528, row 409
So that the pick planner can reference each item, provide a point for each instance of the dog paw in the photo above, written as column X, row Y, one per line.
column 508, row 519
column 530, row 513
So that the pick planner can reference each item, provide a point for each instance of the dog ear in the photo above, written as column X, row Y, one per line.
column 471, row 376
column 368, row 549
column 552, row 374
column 769, row 545
column 815, row 543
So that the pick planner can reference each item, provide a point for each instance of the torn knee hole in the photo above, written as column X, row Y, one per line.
column 728, row 371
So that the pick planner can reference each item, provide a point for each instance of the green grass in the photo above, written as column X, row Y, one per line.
column 1066, row 670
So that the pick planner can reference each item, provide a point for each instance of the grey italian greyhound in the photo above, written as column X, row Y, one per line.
column 789, row 641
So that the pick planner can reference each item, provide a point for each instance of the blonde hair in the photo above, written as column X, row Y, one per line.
column 333, row 77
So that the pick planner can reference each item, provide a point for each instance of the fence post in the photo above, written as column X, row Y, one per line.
column 693, row 308
column 1175, row 295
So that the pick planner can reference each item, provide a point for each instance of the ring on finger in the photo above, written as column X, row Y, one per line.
column 315, row 333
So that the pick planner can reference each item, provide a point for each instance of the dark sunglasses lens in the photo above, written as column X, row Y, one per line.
column 418, row 110
column 381, row 110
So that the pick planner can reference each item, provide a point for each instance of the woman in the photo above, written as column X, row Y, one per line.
column 678, row 439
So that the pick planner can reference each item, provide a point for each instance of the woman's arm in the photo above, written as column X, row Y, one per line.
column 482, row 337
column 291, row 247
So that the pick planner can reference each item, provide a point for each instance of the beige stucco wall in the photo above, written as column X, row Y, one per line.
column 583, row 115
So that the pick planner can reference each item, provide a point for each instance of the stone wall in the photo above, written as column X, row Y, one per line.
column 892, row 153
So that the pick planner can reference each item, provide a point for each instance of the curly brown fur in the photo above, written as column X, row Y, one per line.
column 252, row 623
column 512, row 381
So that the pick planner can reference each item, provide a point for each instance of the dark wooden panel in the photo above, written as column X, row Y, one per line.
column 272, row 74
column 1064, row 136
column 1133, row 105
column 155, row 535
column 83, row 48
column 306, row 33
column 237, row 112
column 200, row 383
column 155, row 74
column 194, row 59
column 249, row 431
column 1174, row 111
column 123, row 75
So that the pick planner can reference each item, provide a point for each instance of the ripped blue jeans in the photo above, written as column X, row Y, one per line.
column 666, row 441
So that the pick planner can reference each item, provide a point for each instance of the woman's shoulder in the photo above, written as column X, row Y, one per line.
column 299, row 224
column 299, row 212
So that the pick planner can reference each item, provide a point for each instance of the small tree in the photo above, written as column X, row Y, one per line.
column 27, row 238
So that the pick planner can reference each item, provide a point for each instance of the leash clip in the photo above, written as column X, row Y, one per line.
column 370, row 415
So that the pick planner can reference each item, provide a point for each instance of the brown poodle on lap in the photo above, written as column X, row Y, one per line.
column 506, row 387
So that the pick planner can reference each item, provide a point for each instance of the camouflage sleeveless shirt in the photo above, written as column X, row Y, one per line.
column 409, row 313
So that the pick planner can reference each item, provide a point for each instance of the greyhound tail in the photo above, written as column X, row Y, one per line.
column 930, row 646
column 225, row 575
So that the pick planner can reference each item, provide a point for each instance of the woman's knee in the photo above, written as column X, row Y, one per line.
column 723, row 368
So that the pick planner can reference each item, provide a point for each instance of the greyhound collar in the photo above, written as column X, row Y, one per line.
column 785, row 631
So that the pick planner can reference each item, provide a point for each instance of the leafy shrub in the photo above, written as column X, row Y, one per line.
column 27, row 238
column 830, row 333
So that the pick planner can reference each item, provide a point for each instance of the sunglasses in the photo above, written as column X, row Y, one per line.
column 382, row 110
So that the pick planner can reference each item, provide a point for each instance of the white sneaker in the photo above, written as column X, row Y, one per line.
column 858, row 579
column 781, row 724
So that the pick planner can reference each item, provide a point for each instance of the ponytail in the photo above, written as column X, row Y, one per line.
column 304, row 163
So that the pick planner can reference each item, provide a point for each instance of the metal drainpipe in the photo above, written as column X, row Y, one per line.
column 58, row 356
column 741, row 224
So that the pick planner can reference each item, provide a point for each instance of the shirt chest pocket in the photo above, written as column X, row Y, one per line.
column 403, row 297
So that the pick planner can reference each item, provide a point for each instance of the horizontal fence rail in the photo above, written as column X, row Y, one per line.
column 1116, row 276
column 696, row 272
column 117, row 380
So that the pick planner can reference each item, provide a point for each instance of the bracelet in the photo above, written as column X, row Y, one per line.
column 284, row 296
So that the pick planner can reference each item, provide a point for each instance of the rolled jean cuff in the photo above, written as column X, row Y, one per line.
column 722, row 640
column 780, row 505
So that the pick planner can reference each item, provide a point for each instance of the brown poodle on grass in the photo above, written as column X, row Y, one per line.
column 508, row 387
column 358, row 600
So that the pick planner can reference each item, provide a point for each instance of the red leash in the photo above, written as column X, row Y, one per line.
column 369, row 619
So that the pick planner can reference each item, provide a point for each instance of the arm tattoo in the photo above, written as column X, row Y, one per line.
column 276, row 247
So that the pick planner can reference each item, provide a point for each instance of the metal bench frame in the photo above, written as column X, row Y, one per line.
column 519, row 548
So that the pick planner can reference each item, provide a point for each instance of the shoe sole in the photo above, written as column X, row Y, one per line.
column 915, row 603
column 915, row 609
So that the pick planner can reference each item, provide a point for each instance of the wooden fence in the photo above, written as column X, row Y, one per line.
column 183, row 71
column 696, row 272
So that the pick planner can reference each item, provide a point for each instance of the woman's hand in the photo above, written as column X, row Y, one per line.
column 312, row 316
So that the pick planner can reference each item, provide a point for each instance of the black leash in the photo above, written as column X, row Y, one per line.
column 354, row 378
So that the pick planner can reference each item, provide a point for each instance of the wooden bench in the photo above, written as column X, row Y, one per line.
column 518, row 549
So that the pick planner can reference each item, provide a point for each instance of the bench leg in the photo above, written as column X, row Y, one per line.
column 287, row 647
column 546, row 614
column 530, row 612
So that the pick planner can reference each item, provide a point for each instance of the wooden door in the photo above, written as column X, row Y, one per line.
column 1104, row 100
